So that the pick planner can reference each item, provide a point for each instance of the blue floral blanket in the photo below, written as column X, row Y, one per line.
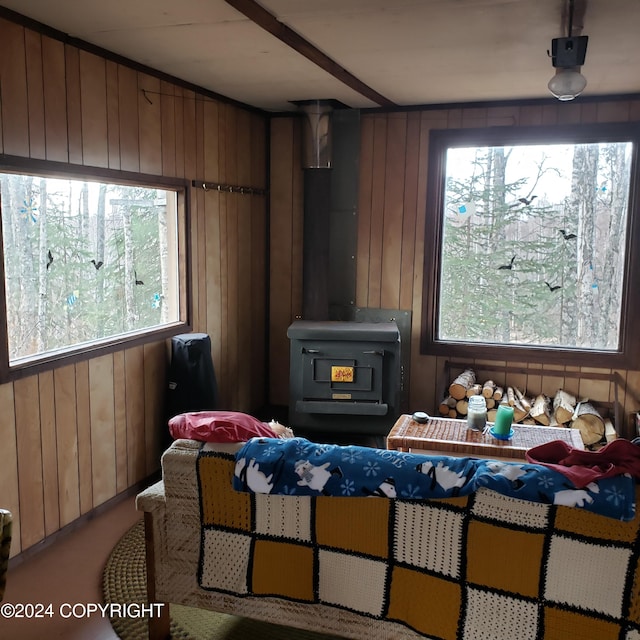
column 303, row 468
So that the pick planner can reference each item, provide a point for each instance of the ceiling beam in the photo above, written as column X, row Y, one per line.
column 260, row 16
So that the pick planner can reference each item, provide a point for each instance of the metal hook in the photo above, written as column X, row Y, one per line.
column 204, row 186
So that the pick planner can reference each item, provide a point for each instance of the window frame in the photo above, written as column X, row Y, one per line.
column 54, row 359
column 440, row 140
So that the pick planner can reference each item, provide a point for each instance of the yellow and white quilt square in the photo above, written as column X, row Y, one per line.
column 492, row 615
column 416, row 525
column 560, row 624
column 345, row 523
column 225, row 561
column 283, row 516
column 427, row 603
column 234, row 512
column 353, row 582
column 506, row 559
column 495, row 506
column 567, row 580
column 282, row 569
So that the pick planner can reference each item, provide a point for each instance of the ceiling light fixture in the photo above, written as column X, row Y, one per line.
column 567, row 56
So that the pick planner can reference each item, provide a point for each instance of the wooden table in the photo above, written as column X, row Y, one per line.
column 444, row 436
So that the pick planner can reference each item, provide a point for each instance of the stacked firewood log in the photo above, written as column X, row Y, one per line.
column 563, row 410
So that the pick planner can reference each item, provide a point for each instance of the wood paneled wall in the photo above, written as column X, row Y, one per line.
column 391, row 231
column 285, row 232
column 77, row 436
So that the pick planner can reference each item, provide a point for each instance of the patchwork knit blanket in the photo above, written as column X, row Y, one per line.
column 479, row 567
column 303, row 468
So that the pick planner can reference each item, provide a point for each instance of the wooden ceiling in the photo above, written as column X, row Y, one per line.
column 363, row 53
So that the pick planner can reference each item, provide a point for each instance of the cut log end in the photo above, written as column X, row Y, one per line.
column 541, row 410
column 446, row 405
column 462, row 407
column 488, row 388
column 563, row 406
column 590, row 423
column 474, row 390
column 458, row 388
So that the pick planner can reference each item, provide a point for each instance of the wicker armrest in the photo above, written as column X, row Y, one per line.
column 5, row 547
column 152, row 498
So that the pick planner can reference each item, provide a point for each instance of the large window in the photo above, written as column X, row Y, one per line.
column 529, row 245
column 89, row 263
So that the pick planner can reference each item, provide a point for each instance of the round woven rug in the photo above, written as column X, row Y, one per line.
column 125, row 581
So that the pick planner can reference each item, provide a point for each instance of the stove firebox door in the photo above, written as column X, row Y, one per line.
column 344, row 383
column 344, row 376
column 336, row 380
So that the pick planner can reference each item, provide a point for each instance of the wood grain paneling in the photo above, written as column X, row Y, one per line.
column 410, row 209
column 244, row 322
column 67, row 443
column 256, row 360
column 29, row 454
column 393, row 211
column 93, row 101
column 74, row 112
column 120, row 419
column 49, row 444
column 35, row 92
column 232, row 259
column 155, row 378
column 9, row 479
column 83, row 416
column 179, row 132
column 102, row 421
column 55, row 100
column 168, row 126
column 74, row 437
column 365, row 186
column 128, row 119
column 376, row 228
column 113, row 115
column 13, row 88
column 135, row 404
column 259, row 275
column 188, row 132
column 285, row 209
column 149, row 124
column 212, row 262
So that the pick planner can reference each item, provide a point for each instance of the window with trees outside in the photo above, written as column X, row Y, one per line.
column 530, row 245
column 89, row 263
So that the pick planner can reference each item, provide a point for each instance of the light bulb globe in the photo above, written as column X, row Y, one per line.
column 567, row 84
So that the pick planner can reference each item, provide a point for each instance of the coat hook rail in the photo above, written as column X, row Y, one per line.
column 228, row 188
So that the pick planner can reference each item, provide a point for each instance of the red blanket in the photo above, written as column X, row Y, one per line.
column 582, row 467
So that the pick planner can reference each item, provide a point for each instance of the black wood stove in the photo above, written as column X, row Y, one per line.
column 344, row 376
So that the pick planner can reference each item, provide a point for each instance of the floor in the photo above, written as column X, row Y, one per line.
column 69, row 570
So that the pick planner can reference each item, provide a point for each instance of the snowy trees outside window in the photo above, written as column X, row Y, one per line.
column 532, row 238
column 85, row 262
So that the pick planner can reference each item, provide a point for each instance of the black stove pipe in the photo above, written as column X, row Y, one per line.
column 316, row 163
